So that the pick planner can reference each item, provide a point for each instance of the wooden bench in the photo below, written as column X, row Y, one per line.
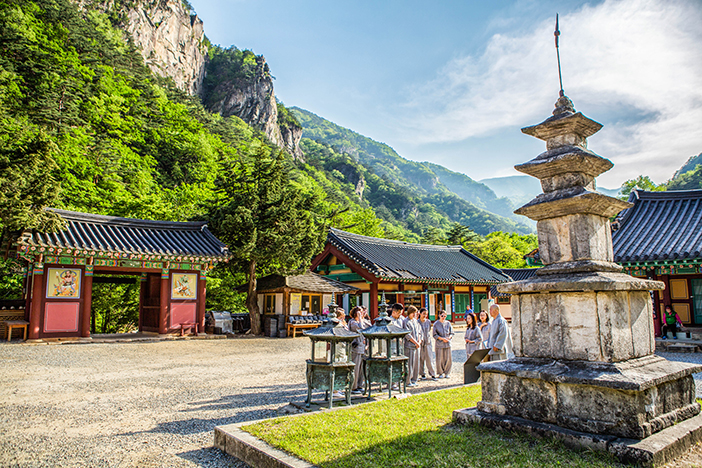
column 300, row 326
column 190, row 326
column 12, row 324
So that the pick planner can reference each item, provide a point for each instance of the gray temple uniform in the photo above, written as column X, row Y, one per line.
column 473, row 334
column 485, row 331
column 399, row 323
column 358, row 348
column 500, row 338
column 443, row 350
column 412, row 350
column 425, row 350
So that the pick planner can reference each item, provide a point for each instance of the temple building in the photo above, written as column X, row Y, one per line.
column 660, row 238
column 437, row 277
column 305, row 294
column 170, row 259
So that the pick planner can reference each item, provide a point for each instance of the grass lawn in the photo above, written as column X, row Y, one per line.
column 414, row 432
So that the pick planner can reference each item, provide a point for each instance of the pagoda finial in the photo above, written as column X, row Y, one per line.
column 556, row 34
column 564, row 106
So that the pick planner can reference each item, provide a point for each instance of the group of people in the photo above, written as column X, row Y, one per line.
column 486, row 331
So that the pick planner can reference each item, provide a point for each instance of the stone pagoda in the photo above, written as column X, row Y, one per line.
column 584, row 368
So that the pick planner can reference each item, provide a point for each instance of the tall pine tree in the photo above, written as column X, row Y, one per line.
column 268, row 222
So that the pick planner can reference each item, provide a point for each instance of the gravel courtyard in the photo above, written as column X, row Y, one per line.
column 146, row 404
column 153, row 404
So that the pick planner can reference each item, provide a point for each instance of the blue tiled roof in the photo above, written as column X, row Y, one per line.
column 97, row 233
column 406, row 261
column 660, row 226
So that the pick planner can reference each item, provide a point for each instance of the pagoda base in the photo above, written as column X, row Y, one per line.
column 632, row 399
column 655, row 450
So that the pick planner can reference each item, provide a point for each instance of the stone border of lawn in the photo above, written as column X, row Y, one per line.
column 233, row 440
column 656, row 450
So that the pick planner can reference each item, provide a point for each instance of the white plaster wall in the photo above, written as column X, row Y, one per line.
column 279, row 303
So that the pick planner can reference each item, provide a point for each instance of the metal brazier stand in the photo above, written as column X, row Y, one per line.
column 330, row 367
column 384, row 361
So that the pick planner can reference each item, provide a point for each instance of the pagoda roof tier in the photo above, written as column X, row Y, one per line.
column 88, row 234
column 562, row 124
column 575, row 200
column 563, row 160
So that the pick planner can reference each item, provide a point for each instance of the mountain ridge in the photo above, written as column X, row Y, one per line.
column 423, row 180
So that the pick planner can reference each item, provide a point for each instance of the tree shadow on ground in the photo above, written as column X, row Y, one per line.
column 267, row 395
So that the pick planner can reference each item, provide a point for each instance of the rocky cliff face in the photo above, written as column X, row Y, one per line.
column 171, row 41
column 246, row 91
column 250, row 97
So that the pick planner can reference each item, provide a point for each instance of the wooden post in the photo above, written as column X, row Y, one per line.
column 401, row 296
column 87, row 302
column 201, row 303
column 373, row 308
column 143, row 289
column 163, row 304
column 37, row 296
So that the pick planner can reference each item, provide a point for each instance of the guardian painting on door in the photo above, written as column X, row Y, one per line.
column 445, row 274
column 170, row 258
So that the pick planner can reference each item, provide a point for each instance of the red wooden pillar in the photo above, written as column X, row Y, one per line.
column 143, row 294
column 201, row 302
column 87, row 302
column 373, row 308
column 37, row 296
column 401, row 296
column 163, row 304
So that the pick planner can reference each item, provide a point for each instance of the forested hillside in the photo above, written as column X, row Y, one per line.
column 85, row 125
column 417, row 188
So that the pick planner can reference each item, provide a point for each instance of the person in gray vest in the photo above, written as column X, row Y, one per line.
column 358, row 348
column 413, row 341
column 500, row 342
column 443, row 332
column 425, row 349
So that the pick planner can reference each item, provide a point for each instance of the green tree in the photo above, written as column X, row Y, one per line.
column 27, row 185
column 642, row 183
column 458, row 234
column 690, row 180
column 433, row 235
column 503, row 249
column 268, row 223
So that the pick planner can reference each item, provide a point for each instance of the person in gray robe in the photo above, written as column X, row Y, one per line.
column 358, row 348
column 443, row 332
column 425, row 349
column 484, row 325
column 473, row 337
column 500, row 342
column 413, row 341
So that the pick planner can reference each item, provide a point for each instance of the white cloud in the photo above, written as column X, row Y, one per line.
column 633, row 65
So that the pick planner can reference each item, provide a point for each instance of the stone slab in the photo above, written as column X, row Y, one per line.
column 655, row 450
column 253, row 451
column 633, row 375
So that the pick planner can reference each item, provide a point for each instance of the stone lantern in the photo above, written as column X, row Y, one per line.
column 384, row 361
column 330, row 367
column 592, row 379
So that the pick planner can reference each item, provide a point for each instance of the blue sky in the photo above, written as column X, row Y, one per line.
column 453, row 82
